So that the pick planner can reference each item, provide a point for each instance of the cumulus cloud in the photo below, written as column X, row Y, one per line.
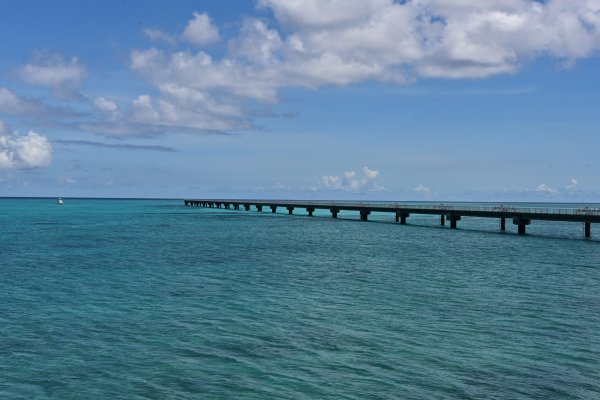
column 200, row 30
column 369, row 173
column 313, row 43
column 571, row 190
column 54, row 72
column 24, row 151
column 545, row 189
column 350, row 182
column 105, row 105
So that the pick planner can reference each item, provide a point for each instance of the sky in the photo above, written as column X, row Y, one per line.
column 437, row 100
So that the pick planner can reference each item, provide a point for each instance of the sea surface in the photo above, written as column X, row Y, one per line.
column 148, row 299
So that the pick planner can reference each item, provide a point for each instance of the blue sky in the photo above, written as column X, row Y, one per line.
column 413, row 100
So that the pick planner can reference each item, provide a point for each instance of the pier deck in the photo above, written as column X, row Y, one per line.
column 520, row 216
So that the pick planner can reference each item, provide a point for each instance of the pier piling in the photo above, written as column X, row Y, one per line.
column 290, row 210
column 401, row 217
column 453, row 220
column 588, row 229
column 364, row 214
column 522, row 224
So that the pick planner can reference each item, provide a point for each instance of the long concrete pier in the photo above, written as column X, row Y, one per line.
column 520, row 216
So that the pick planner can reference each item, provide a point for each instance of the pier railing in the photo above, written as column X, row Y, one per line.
column 592, row 211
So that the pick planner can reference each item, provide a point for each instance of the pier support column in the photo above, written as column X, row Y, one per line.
column 588, row 229
column 247, row 207
column 236, row 206
column 259, row 207
column 290, row 210
column 442, row 220
column 334, row 212
column 187, row 203
column 364, row 214
column 453, row 220
column 310, row 211
column 227, row 206
column 273, row 209
column 522, row 223
column 502, row 224
column 401, row 217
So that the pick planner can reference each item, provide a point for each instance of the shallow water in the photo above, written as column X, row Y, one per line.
column 151, row 299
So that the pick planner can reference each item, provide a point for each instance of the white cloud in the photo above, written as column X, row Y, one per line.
column 422, row 189
column 257, row 43
column 318, row 14
column 315, row 43
column 572, row 186
column 351, row 183
column 24, row 151
column 54, row 72
column 185, row 108
column 105, row 105
column 369, row 173
column 440, row 38
column 545, row 189
column 200, row 30
column 157, row 35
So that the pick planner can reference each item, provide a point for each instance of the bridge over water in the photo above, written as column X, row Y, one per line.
column 520, row 216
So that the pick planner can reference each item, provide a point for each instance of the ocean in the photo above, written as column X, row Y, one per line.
column 148, row 299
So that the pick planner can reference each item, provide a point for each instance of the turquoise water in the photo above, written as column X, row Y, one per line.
column 150, row 299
